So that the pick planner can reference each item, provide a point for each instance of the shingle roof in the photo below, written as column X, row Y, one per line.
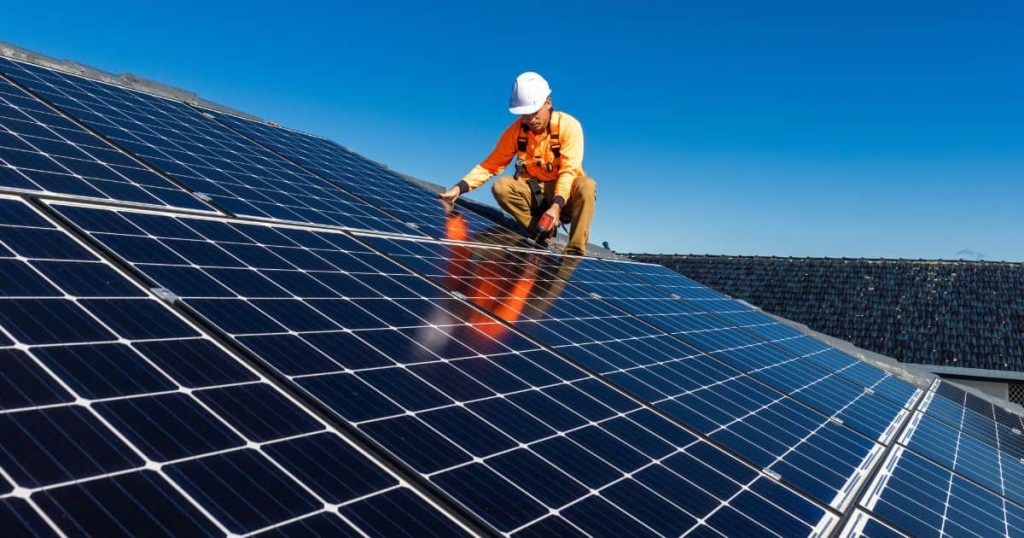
column 947, row 313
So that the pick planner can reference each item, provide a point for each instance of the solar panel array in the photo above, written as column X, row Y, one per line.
column 196, row 338
column 373, row 183
column 43, row 151
column 516, row 435
column 119, row 417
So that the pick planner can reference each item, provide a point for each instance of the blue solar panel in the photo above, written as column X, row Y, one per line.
column 805, row 381
column 716, row 311
column 118, row 417
column 515, row 435
column 374, row 183
column 43, row 151
column 921, row 498
column 995, row 425
column 237, row 175
column 531, row 291
column 985, row 408
column 976, row 426
column 951, row 447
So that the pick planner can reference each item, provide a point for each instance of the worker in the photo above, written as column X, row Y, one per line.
column 549, row 179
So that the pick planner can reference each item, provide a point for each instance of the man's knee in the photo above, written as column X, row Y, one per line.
column 585, row 188
column 503, row 187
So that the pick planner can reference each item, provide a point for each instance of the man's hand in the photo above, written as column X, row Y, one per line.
column 448, row 198
column 450, row 195
column 554, row 212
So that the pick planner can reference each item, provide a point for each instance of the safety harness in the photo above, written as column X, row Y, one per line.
column 521, row 157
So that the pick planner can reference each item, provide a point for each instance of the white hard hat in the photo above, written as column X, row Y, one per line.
column 529, row 92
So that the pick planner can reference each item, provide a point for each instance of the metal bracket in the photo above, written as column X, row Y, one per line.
column 413, row 225
column 772, row 474
column 208, row 115
column 595, row 296
column 837, row 420
column 203, row 196
column 459, row 295
column 675, row 296
column 165, row 295
column 1016, row 431
column 869, row 391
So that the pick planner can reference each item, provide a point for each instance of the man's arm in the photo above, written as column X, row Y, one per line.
column 499, row 158
column 571, row 135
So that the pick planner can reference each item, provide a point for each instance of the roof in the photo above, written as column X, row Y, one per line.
column 197, row 307
column 964, row 314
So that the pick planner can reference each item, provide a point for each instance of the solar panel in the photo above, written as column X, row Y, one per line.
column 228, row 169
column 512, row 433
column 118, row 417
column 807, row 450
column 976, row 404
column 816, row 387
column 717, row 311
column 43, row 151
column 921, row 498
column 979, row 427
column 374, row 183
column 967, row 456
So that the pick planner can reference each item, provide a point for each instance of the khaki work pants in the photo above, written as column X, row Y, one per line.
column 514, row 196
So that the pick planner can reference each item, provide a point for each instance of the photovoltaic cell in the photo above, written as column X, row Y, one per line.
column 203, row 155
column 125, row 427
column 517, row 436
column 720, row 311
column 738, row 313
column 532, row 292
column 979, row 405
column 977, row 417
column 43, row 151
column 921, row 498
column 816, row 387
column 374, row 183
column 967, row 456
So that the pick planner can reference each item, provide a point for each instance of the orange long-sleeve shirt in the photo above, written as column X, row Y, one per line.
column 539, row 155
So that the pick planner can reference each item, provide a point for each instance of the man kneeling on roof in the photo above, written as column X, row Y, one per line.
column 549, row 179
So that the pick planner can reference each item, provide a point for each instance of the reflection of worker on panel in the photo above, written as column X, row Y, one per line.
column 549, row 185
column 502, row 284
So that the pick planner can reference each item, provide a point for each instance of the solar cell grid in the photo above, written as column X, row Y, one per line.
column 374, row 183
column 820, row 389
column 921, row 498
column 977, row 426
column 983, row 407
column 514, row 434
column 42, row 151
column 721, row 312
column 118, row 417
column 808, row 450
column 967, row 456
column 208, row 158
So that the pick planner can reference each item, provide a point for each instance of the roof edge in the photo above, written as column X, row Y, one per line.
column 924, row 261
column 126, row 80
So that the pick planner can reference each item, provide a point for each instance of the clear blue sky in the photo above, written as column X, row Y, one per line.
column 891, row 129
